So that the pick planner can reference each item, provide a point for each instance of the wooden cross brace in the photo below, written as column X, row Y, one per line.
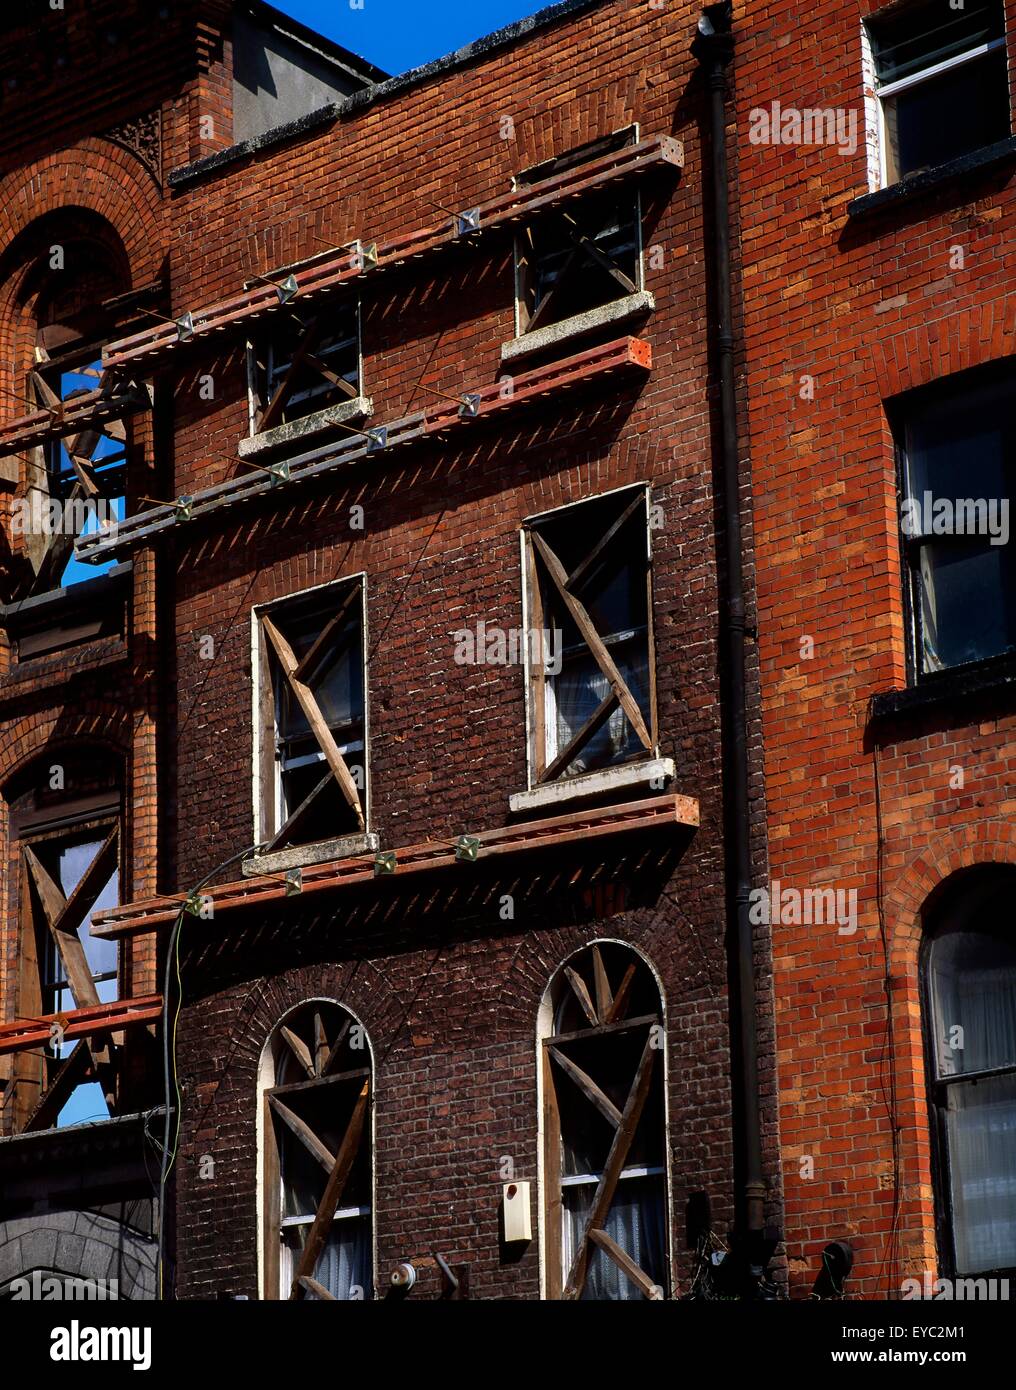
column 291, row 670
column 64, row 917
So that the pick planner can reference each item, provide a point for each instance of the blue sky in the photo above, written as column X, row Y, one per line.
column 402, row 34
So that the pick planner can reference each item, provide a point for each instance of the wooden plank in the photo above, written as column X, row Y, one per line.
column 591, row 637
column 333, row 1055
column 296, row 817
column 91, row 883
column 297, row 1087
column 68, row 943
column 604, row 999
column 71, row 1072
column 540, row 312
column 587, row 1086
column 333, row 377
column 344, row 1159
column 604, row 1030
column 52, row 899
column 320, row 1044
column 305, row 666
column 273, row 411
column 271, row 1202
column 315, row 719
column 593, row 724
column 594, row 253
column 303, row 1132
column 538, row 670
column 318, row 1290
column 552, row 1156
column 607, row 1185
column 299, row 1049
column 266, row 743
column 581, row 993
column 617, row 1008
column 626, row 1264
column 22, row 1094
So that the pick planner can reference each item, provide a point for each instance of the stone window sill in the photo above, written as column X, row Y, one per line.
column 587, row 784
column 310, row 427
column 930, row 180
column 305, row 856
column 554, row 333
column 947, row 689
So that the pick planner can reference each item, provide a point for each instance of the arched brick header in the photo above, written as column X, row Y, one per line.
column 100, row 177
column 977, row 333
column 42, row 733
column 991, row 842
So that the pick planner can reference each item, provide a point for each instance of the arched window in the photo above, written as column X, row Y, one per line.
column 970, row 1028
column 317, row 1227
column 604, row 1128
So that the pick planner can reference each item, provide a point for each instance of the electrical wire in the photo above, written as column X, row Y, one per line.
column 171, row 1141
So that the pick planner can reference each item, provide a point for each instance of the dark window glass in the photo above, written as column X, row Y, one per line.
column 959, row 453
column 614, row 591
column 566, row 277
column 940, row 116
column 305, row 358
column 970, row 970
column 335, row 680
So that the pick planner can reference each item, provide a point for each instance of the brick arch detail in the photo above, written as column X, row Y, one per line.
column 35, row 734
column 100, row 177
column 926, row 351
column 989, row 842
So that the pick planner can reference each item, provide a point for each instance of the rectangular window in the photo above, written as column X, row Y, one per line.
column 86, row 472
column 304, row 363
column 942, row 82
column 590, row 657
column 68, row 876
column 312, row 717
column 583, row 254
column 957, row 445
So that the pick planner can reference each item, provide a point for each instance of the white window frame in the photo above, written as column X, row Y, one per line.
column 261, row 669
column 545, row 1028
column 550, row 704
column 876, row 93
column 266, row 1081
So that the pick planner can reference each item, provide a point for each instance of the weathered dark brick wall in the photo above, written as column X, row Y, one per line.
column 447, row 991
column 95, row 104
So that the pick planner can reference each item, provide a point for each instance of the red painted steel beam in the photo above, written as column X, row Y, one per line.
column 333, row 269
column 154, row 914
column 620, row 355
column 80, row 1023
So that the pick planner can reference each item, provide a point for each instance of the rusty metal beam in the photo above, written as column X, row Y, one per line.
column 80, row 1023
column 155, row 914
column 332, row 270
column 435, row 421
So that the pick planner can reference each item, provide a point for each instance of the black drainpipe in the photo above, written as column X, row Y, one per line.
column 713, row 46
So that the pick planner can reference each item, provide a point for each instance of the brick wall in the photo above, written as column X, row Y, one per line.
column 447, row 990
column 869, row 308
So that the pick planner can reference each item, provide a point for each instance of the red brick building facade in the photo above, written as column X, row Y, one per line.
column 889, row 761
column 469, row 1000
